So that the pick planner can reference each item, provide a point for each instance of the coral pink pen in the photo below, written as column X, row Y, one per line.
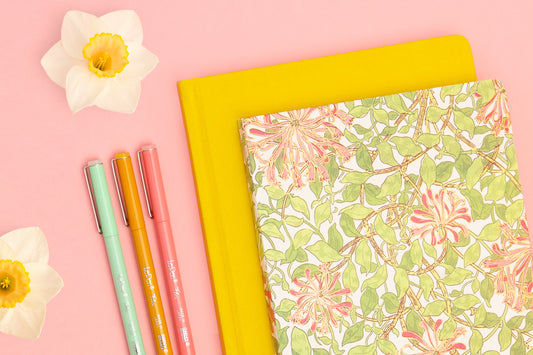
column 158, row 210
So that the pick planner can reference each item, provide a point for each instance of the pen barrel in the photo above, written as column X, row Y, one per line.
column 151, row 292
column 154, row 182
column 103, row 200
column 124, row 295
column 144, row 256
column 116, row 258
column 156, row 191
column 180, row 317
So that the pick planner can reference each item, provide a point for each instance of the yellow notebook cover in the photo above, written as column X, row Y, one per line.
column 211, row 107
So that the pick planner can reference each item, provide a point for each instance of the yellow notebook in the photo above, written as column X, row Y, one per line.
column 211, row 107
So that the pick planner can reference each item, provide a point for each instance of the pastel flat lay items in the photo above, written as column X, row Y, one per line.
column 158, row 210
column 393, row 224
column 211, row 107
column 133, row 217
column 107, row 226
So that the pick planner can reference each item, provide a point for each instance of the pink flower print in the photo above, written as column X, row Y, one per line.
column 496, row 110
column 441, row 216
column 316, row 300
column 515, row 264
column 433, row 345
column 332, row 113
column 300, row 139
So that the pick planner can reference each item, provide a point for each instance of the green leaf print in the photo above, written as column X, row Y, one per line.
column 349, row 277
column 363, row 158
column 435, row 308
column 451, row 146
column 450, row 90
column 356, row 177
column 476, row 342
column 457, row 276
column 324, row 252
column 322, row 213
column 519, row 346
column 428, row 139
column 377, row 279
column 434, row 113
column 302, row 237
column 300, row 342
column 369, row 301
column 406, row 146
column 490, row 142
column 354, row 333
column 391, row 186
column 490, row 232
column 466, row 301
column 363, row 255
column 386, row 346
column 384, row 231
column 274, row 192
column 401, row 279
column 385, row 153
column 496, row 188
column 300, row 205
column 396, row 103
column 464, row 122
column 472, row 254
column 428, row 171
column 514, row 211
column 364, row 350
column 474, row 172
column 381, row 116
column 487, row 290
column 391, row 302
column 357, row 211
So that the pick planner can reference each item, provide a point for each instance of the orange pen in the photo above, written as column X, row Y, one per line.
column 133, row 217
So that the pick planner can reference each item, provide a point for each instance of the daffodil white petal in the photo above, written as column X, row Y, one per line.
column 24, row 320
column 45, row 282
column 56, row 62
column 120, row 95
column 141, row 62
column 3, row 313
column 83, row 87
column 126, row 23
column 28, row 244
column 6, row 252
column 78, row 28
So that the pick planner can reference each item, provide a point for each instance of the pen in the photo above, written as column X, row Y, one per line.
column 106, row 225
column 133, row 217
column 158, row 210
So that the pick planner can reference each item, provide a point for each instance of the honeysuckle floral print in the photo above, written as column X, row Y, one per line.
column 393, row 225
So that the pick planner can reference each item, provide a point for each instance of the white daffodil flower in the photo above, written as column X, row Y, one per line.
column 100, row 60
column 27, row 283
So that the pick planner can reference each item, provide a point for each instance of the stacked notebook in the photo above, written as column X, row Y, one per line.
column 211, row 109
column 393, row 224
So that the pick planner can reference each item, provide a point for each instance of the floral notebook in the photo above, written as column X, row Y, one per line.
column 393, row 225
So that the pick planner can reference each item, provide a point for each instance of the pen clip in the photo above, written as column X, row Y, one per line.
column 146, row 191
column 119, row 191
column 91, row 197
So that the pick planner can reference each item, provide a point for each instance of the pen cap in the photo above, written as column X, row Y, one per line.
column 149, row 162
column 130, row 193
column 104, row 207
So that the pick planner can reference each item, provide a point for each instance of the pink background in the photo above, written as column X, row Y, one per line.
column 44, row 146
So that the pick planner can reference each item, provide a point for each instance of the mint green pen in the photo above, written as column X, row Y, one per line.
column 107, row 226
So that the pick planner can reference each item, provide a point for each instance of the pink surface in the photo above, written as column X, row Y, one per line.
column 44, row 146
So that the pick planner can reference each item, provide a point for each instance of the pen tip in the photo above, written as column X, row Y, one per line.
column 148, row 147
column 94, row 162
column 122, row 155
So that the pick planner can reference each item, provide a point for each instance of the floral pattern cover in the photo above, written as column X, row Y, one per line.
column 393, row 225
